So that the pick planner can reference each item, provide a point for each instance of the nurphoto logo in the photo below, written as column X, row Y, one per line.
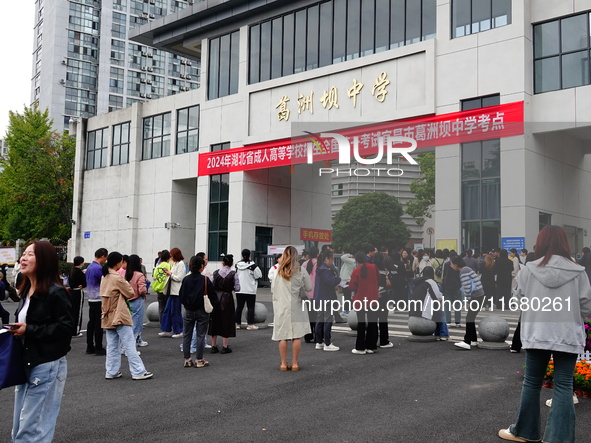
column 389, row 145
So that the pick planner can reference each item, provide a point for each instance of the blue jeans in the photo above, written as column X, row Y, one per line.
column 441, row 330
column 560, row 426
column 122, row 338
column 137, row 315
column 37, row 402
column 452, row 295
column 172, row 318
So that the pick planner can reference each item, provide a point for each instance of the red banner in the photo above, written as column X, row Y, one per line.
column 437, row 130
column 315, row 235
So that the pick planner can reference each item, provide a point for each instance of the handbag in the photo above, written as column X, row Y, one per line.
column 12, row 368
column 207, row 306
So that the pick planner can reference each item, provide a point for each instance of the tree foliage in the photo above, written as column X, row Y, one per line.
column 369, row 220
column 423, row 189
column 37, row 181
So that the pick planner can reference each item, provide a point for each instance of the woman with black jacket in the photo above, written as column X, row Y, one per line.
column 504, row 272
column 194, row 287
column 77, row 282
column 45, row 324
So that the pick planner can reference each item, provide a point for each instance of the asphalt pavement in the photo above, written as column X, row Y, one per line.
column 413, row 392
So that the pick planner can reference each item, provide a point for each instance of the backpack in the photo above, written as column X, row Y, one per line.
column 160, row 279
column 439, row 269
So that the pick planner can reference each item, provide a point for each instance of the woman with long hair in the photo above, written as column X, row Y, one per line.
column 117, row 322
column 556, row 333
column 365, row 286
column 289, row 317
column 45, row 325
column 137, row 280
column 222, row 318
column 172, row 317
column 161, row 282
column 248, row 273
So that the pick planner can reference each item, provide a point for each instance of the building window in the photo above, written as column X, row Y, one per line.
column 335, row 31
column 223, row 65
column 337, row 189
column 544, row 220
column 120, row 144
column 96, row 149
column 561, row 53
column 220, row 146
column 187, row 130
column 472, row 16
column 481, row 186
column 219, row 186
column 156, row 140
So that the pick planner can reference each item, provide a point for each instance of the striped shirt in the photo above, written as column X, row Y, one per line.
column 471, row 285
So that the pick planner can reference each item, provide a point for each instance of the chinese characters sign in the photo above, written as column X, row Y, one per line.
column 315, row 235
column 438, row 130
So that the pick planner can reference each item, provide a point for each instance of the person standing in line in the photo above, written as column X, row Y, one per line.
column 94, row 332
column 195, row 320
column 504, row 269
column 161, row 283
column 158, row 258
column 470, row 261
column 45, row 324
column 451, row 288
column 137, row 280
column 77, row 284
column 557, row 333
column 383, row 298
column 472, row 290
column 365, row 286
column 289, row 317
column 585, row 261
column 172, row 317
column 327, row 279
column 407, row 259
column 117, row 322
column 222, row 318
column 347, row 266
column 487, row 278
column 310, row 266
column 248, row 273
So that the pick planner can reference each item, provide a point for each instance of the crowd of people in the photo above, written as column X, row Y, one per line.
column 198, row 303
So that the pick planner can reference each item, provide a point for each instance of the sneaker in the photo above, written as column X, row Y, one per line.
column 370, row 351
column 142, row 343
column 458, row 325
column 331, row 347
column 237, row 327
column 443, row 338
column 201, row 363
column 145, row 376
column 252, row 328
column 179, row 335
column 575, row 401
column 320, row 346
column 358, row 352
column 165, row 334
column 505, row 434
column 387, row 345
column 206, row 346
column 113, row 377
column 214, row 350
column 226, row 350
column 473, row 343
column 463, row 345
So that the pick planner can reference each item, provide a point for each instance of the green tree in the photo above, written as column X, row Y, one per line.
column 369, row 219
column 423, row 189
column 37, row 181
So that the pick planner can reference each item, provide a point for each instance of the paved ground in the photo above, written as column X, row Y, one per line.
column 414, row 392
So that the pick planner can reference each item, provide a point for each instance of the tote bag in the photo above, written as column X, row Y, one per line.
column 12, row 369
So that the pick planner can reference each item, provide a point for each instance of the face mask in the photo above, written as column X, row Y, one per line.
column 426, row 258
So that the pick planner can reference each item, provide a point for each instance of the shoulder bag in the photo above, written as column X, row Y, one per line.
column 12, row 368
column 207, row 306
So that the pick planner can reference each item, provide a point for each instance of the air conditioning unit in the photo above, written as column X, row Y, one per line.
column 142, row 80
column 150, row 68
column 144, row 15
column 151, row 15
column 149, row 81
column 152, row 2
column 183, row 62
column 188, row 77
column 150, row 55
column 143, row 68
column 189, row 63
column 144, row 53
column 142, row 95
column 148, row 95
column 191, row 2
column 62, row 82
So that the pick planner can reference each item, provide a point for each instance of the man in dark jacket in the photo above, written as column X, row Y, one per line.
column 451, row 290
column 585, row 261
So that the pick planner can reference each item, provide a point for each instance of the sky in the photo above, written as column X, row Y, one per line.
column 16, row 48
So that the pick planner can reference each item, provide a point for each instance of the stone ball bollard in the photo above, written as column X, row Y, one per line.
column 152, row 312
column 422, row 329
column 493, row 330
column 260, row 315
column 352, row 320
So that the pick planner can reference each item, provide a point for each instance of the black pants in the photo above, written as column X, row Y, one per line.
column 324, row 321
column 309, row 338
column 94, row 332
column 162, row 299
column 382, row 318
column 76, row 297
column 476, row 303
column 249, row 299
column 516, row 342
column 367, row 330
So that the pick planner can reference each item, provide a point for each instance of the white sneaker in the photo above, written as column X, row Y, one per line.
column 252, row 327
column 165, row 334
column 207, row 346
column 387, row 345
column 142, row 344
column 177, row 335
column 237, row 327
column 575, row 401
column 331, row 347
column 370, row 351
column 505, row 434
column 463, row 345
column 145, row 376
column 320, row 346
column 474, row 343
column 358, row 352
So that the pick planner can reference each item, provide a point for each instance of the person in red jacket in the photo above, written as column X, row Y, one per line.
column 364, row 283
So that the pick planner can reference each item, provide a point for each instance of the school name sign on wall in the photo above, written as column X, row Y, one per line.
column 439, row 130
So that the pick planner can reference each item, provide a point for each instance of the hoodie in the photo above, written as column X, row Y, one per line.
column 248, row 274
column 556, row 299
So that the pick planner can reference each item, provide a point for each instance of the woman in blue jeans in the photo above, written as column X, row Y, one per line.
column 45, row 324
column 557, row 296
column 137, row 280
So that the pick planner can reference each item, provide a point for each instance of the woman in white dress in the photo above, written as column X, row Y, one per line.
column 290, row 317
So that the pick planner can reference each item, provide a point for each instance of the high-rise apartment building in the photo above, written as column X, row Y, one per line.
column 83, row 64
